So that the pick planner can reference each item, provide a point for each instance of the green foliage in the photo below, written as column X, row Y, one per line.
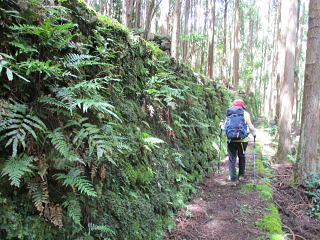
column 75, row 180
column 313, row 186
column 72, row 205
column 83, row 96
column 101, row 228
column 116, row 110
column 49, row 34
column 60, row 143
column 73, row 60
column 16, row 167
column 5, row 65
column 17, row 124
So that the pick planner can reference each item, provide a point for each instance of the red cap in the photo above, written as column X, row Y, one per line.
column 239, row 103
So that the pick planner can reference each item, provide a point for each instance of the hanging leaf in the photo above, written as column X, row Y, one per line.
column 9, row 74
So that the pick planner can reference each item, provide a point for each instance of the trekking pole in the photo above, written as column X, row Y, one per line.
column 254, row 162
column 219, row 151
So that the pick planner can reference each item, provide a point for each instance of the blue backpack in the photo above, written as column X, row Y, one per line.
column 236, row 127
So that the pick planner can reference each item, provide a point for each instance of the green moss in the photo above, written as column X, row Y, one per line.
column 277, row 237
column 139, row 175
column 154, row 49
column 112, row 23
column 271, row 223
column 264, row 190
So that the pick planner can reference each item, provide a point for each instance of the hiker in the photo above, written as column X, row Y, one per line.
column 236, row 128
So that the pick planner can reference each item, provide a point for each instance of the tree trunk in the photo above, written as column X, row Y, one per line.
column 224, row 54
column 204, row 31
column 235, row 75
column 186, row 30
column 194, row 28
column 176, row 30
column 211, row 39
column 138, row 13
column 309, row 145
column 150, row 12
column 164, row 17
column 286, row 92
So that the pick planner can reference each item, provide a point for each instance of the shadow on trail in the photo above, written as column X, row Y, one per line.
column 219, row 211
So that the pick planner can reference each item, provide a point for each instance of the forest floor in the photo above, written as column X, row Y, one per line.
column 220, row 211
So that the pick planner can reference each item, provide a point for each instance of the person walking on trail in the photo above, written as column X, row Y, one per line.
column 236, row 128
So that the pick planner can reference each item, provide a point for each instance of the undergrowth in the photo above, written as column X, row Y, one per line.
column 103, row 136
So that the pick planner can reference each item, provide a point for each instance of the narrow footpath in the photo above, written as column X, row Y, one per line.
column 220, row 211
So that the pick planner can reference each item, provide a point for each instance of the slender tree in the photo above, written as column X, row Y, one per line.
column 287, row 78
column 211, row 39
column 309, row 145
column 224, row 53
column 235, row 75
column 186, row 30
column 149, row 16
column 176, row 30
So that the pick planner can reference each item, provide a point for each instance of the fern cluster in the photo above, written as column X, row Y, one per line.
column 16, row 167
column 77, row 181
column 17, row 124
column 73, row 207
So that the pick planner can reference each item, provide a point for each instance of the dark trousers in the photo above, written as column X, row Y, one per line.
column 237, row 149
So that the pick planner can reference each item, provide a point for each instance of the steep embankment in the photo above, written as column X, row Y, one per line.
column 103, row 136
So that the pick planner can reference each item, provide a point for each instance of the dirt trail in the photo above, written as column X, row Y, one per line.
column 219, row 211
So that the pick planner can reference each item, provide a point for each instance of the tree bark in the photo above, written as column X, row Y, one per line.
column 309, row 145
column 186, row 30
column 235, row 75
column 138, row 13
column 204, row 31
column 287, row 78
column 150, row 12
column 176, row 30
column 224, row 53
column 211, row 39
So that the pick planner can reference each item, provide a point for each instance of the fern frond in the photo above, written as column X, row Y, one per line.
column 82, row 96
column 16, row 167
column 72, row 205
column 73, row 60
column 60, row 143
column 98, row 139
column 23, row 48
column 17, row 125
column 40, row 195
column 100, row 228
column 77, row 181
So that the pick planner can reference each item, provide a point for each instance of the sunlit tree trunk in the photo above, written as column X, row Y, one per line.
column 164, row 17
column 211, row 39
column 309, row 146
column 186, row 30
column 235, row 74
column 176, row 30
column 287, row 82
